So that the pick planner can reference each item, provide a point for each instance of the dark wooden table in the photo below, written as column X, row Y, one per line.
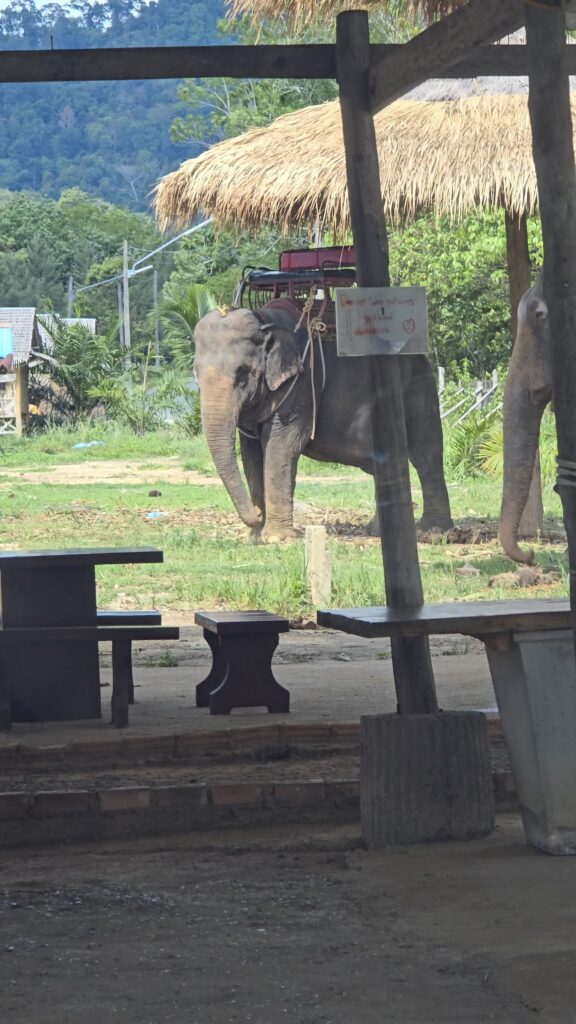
column 58, row 679
column 471, row 618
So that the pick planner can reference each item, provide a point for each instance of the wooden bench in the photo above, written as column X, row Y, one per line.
column 487, row 620
column 497, row 623
column 121, row 637
column 129, row 618
column 242, row 645
column 122, row 678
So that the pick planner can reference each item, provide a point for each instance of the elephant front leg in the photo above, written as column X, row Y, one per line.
column 425, row 444
column 281, row 452
column 253, row 463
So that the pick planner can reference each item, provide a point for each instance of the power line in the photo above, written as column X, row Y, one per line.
column 72, row 292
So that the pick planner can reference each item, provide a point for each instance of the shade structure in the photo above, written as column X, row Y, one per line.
column 299, row 11
column 447, row 146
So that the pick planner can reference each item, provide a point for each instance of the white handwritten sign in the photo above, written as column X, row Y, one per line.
column 381, row 321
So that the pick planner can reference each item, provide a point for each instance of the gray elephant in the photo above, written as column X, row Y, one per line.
column 254, row 373
column 527, row 391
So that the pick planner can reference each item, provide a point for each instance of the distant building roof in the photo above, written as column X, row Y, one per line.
column 25, row 333
column 48, row 318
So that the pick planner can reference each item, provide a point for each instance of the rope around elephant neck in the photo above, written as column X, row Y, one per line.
column 314, row 326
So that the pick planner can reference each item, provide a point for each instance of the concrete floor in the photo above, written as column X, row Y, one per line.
column 331, row 678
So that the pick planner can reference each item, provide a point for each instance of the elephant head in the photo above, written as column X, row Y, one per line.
column 242, row 360
column 527, row 391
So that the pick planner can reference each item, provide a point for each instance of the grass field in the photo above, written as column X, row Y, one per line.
column 53, row 494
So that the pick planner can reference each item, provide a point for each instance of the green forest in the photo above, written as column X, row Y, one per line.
column 111, row 139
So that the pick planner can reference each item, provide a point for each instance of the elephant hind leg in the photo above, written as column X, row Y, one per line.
column 425, row 445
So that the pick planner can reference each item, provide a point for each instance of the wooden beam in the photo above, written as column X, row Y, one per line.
column 496, row 62
column 413, row 675
column 132, row 63
column 553, row 148
column 443, row 44
column 311, row 62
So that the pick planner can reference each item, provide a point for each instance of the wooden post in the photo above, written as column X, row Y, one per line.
column 413, row 675
column 21, row 398
column 441, row 379
column 318, row 567
column 552, row 144
column 520, row 279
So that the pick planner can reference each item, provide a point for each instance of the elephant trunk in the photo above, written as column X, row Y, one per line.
column 523, row 408
column 219, row 422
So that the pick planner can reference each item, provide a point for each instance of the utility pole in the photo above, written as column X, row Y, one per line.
column 120, row 314
column 156, row 321
column 126, row 305
column 70, row 295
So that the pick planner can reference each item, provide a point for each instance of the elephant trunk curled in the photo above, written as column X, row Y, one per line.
column 219, row 421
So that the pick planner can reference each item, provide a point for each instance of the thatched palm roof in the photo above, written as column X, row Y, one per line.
column 299, row 11
column 447, row 146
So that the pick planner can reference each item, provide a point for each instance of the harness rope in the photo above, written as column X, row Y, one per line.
column 315, row 327
column 566, row 475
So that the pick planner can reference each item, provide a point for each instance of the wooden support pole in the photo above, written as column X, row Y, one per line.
column 413, row 675
column 520, row 279
column 21, row 398
column 318, row 566
column 552, row 144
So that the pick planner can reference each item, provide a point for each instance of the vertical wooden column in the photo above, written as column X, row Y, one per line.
column 21, row 397
column 413, row 675
column 552, row 144
column 520, row 279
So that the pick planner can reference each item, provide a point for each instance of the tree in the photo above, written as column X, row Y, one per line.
column 108, row 138
column 81, row 362
column 183, row 305
column 224, row 107
column 463, row 267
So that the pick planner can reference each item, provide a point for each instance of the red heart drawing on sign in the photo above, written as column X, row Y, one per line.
column 409, row 326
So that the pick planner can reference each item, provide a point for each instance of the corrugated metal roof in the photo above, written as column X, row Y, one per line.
column 48, row 318
column 22, row 321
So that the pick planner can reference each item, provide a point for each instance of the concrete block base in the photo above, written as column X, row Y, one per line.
column 425, row 778
column 535, row 684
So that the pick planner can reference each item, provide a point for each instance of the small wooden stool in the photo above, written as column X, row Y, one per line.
column 242, row 645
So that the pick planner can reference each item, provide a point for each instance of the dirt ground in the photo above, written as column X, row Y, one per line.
column 165, row 469
column 295, row 924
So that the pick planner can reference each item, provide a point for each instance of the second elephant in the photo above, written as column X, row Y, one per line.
column 253, row 370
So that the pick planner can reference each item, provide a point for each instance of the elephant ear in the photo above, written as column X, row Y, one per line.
column 281, row 356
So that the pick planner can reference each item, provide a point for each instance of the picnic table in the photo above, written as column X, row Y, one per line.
column 58, row 678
